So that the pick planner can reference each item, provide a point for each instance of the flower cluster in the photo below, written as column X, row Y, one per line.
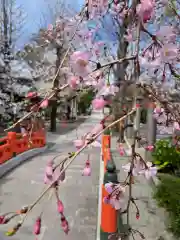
column 94, row 45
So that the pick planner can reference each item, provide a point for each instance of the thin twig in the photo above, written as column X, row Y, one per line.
column 73, row 158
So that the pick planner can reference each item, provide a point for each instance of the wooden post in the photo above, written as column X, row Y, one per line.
column 151, row 130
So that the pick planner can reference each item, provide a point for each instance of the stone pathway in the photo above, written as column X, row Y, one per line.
column 79, row 194
column 152, row 219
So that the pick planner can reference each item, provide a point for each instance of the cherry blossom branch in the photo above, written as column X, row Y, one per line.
column 72, row 157
column 67, row 51
column 52, row 94
column 55, row 90
column 166, row 105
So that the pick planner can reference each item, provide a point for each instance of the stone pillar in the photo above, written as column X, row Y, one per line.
column 129, row 130
column 75, row 108
column 72, row 108
column 137, row 119
column 151, row 130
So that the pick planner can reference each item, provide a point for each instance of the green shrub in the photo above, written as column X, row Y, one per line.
column 166, row 157
column 86, row 98
column 167, row 195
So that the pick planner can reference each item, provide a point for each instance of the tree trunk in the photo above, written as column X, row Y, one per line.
column 120, row 69
column 53, row 114
column 119, row 72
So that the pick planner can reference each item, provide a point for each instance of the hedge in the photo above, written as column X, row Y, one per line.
column 167, row 195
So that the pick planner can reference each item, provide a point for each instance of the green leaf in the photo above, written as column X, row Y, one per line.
column 164, row 165
column 157, row 162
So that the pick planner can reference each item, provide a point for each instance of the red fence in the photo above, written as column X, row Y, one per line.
column 14, row 144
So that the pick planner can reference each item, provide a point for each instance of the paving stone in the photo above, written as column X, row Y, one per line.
column 152, row 218
column 78, row 193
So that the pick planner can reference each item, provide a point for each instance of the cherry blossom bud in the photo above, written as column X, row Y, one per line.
column 47, row 180
column 64, row 224
column 121, row 150
column 106, row 200
column 6, row 220
column 87, row 169
column 60, row 206
column 150, row 148
column 31, row 94
column 44, row 104
column 49, row 169
column 137, row 215
column 138, row 105
column 37, row 226
column 2, row 219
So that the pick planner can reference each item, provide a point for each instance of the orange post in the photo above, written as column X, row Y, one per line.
column 12, row 139
column 106, row 158
column 108, row 215
column 106, row 139
column 109, row 220
column 5, row 153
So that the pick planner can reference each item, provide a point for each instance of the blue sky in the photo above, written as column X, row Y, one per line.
column 33, row 8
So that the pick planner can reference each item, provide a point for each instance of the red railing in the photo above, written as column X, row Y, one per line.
column 14, row 144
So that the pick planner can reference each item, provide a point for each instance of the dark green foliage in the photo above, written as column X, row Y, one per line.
column 166, row 157
column 143, row 116
column 86, row 98
column 167, row 195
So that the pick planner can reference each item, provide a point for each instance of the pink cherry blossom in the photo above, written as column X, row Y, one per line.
column 149, row 171
column 166, row 33
column 145, row 10
column 150, row 148
column 137, row 168
column 169, row 53
column 79, row 143
column 31, row 94
column 97, row 129
column 73, row 81
column 95, row 144
column 158, row 110
column 98, row 103
column 44, row 104
column 49, row 168
column 176, row 126
column 109, row 187
column 108, row 90
column 47, row 180
column 117, row 202
column 116, row 195
column 79, row 62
